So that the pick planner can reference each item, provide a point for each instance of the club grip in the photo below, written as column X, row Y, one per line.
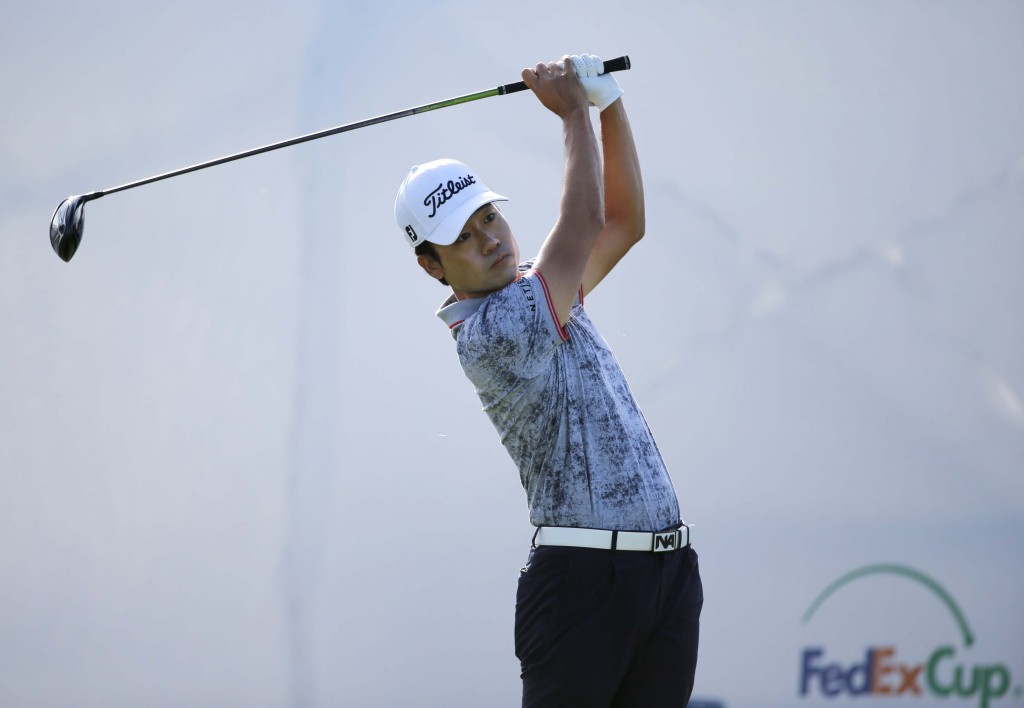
column 616, row 64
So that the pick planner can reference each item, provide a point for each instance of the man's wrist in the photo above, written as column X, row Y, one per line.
column 576, row 114
column 614, row 110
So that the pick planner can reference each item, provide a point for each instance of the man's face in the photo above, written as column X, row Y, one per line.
column 483, row 259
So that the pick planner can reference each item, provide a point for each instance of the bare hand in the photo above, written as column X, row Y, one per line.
column 557, row 87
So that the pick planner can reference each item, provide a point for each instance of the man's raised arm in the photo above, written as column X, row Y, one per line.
column 624, row 217
column 566, row 251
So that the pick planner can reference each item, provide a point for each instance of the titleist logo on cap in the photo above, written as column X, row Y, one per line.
column 443, row 192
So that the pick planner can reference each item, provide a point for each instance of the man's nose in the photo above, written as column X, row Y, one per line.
column 488, row 242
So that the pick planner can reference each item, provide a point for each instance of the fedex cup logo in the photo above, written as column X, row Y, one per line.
column 883, row 672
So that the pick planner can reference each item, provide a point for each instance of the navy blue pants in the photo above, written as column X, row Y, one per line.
column 608, row 629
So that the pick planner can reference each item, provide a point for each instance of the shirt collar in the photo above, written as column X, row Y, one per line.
column 454, row 312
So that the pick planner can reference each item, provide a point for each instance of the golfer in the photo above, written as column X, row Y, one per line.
column 608, row 604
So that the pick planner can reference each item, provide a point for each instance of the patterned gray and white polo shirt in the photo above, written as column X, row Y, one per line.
column 563, row 410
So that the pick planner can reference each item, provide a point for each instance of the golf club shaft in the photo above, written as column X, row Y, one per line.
column 617, row 64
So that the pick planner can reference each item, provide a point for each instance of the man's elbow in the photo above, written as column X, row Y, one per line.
column 634, row 229
column 629, row 226
column 639, row 229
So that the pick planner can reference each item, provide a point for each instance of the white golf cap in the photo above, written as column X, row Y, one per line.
column 436, row 200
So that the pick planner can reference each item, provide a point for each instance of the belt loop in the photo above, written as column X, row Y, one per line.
column 533, row 541
column 615, row 539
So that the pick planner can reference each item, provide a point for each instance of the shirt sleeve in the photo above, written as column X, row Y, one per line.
column 513, row 335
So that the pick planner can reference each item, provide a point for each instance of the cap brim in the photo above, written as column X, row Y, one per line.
column 445, row 233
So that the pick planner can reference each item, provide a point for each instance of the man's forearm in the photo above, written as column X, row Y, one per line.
column 582, row 201
column 623, row 183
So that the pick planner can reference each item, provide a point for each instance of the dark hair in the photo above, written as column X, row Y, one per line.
column 427, row 249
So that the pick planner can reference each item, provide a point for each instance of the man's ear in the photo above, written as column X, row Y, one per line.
column 432, row 266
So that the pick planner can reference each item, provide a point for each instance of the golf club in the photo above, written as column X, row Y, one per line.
column 68, row 220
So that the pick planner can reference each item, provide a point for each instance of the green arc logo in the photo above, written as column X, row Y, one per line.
column 893, row 569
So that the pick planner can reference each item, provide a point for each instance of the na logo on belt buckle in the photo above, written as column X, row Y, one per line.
column 668, row 541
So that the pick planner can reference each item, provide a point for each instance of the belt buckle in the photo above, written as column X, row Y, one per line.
column 668, row 541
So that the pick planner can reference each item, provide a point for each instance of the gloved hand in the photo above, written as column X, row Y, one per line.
column 602, row 89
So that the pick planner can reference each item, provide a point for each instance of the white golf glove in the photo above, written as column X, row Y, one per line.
column 602, row 89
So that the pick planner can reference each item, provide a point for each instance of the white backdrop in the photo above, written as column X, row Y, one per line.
column 239, row 463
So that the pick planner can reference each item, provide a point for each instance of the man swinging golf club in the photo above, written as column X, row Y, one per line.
column 608, row 604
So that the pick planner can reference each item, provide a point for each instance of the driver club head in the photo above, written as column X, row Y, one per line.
column 66, row 227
